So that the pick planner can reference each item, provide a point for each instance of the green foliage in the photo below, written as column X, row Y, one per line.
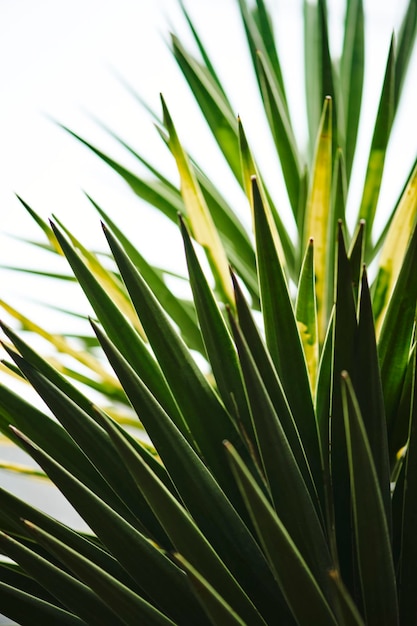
column 252, row 457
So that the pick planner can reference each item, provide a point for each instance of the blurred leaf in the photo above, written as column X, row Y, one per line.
column 283, row 242
column 160, row 194
column 260, row 38
column 22, row 470
column 232, row 233
column 318, row 70
column 406, row 43
column 376, row 159
column 394, row 248
column 202, row 49
column 203, row 228
column 108, row 280
column 282, row 134
column 318, row 223
column 62, row 345
column 183, row 316
column 213, row 104
column 352, row 73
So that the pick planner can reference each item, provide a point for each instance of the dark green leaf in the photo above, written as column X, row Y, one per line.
column 213, row 104
column 200, row 493
column 119, row 329
column 218, row 342
column 74, row 595
column 282, row 336
column 120, row 599
column 147, row 565
column 373, row 546
column 394, row 343
column 292, row 572
column 366, row 378
column 407, row 579
column 183, row 531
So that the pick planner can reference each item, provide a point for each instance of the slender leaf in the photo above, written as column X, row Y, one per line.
column 352, row 73
column 394, row 343
column 214, row 604
column 203, row 412
column 356, row 256
column 111, row 482
column 213, row 104
column 13, row 510
column 344, row 332
column 394, row 249
column 282, row 134
column 372, row 539
column 376, row 159
column 127, row 605
column 249, row 169
column 318, row 223
column 406, row 44
column 185, row 534
column 293, row 575
column 407, row 581
column 28, row 610
column 219, row 345
column 302, row 520
column 201, row 221
column 207, row 503
column 183, row 316
column 259, row 35
column 283, row 339
column 366, row 378
column 306, row 314
column 75, row 596
column 145, row 563
column 120, row 330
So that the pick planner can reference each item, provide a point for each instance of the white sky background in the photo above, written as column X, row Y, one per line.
column 58, row 58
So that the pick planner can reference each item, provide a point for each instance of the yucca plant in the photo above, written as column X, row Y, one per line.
column 251, row 455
